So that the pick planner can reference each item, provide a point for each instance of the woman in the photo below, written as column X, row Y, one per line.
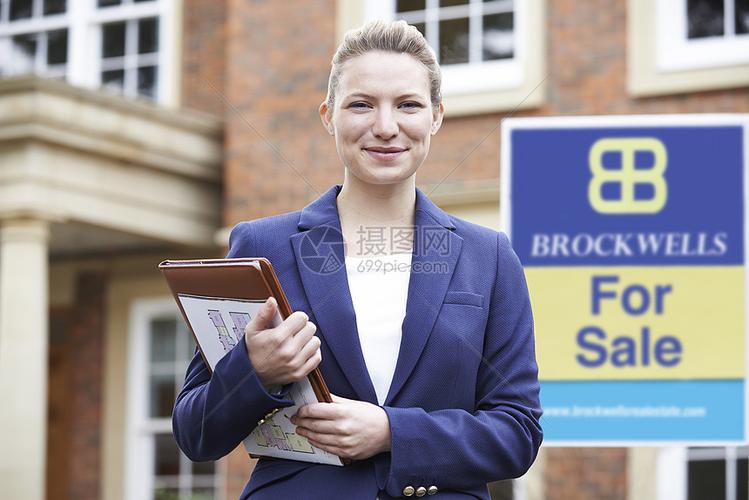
column 432, row 368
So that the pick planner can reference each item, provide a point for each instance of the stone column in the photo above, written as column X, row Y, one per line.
column 23, row 357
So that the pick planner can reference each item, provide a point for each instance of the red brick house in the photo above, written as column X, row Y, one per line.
column 161, row 123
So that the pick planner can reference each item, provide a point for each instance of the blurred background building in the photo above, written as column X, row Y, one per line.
column 137, row 130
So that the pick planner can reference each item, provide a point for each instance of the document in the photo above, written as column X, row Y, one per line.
column 218, row 324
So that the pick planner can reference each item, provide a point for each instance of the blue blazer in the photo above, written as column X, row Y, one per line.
column 464, row 401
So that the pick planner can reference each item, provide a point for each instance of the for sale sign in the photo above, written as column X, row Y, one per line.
column 632, row 234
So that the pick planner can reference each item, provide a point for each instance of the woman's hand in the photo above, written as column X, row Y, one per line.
column 347, row 428
column 286, row 353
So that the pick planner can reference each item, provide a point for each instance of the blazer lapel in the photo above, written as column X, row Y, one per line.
column 320, row 259
column 435, row 254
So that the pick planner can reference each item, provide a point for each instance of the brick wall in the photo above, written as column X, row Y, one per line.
column 203, row 55
column 87, row 353
column 277, row 66
column 75, row 392
column 586, row 474
column 59, row 410
column 277, row 152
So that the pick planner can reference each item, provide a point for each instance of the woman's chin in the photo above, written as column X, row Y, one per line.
column 381, row 177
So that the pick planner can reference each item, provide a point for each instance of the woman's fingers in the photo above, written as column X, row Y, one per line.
column 326, row 439
column 319, row 426
column 335, row 450
column 326, row 411
column 309, row 350
column 309, row 365
column 303, row 336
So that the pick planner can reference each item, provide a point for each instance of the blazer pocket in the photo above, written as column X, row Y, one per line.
column 464, row 298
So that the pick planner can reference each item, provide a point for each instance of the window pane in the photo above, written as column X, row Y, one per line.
column 705, row 18
column 54, row 7
column 166, row 494
column 742, row 478
column 202, row 494
column 147, row 81
column 501, row 490
column 706, row 479
column 24, row 51
column 498, row 41
column 139, row 1
column 20, row 9
column 742, row 17
column 203, row 468
column 57, row 47
column 113, row 39
column 421, row 27
column 447, row 3
column 163, row 394
column 454, row 41
column 114, row 79
column 107, row 3
column 166, row 461
column 406, row 5
column 148, row 36
column 163, row 340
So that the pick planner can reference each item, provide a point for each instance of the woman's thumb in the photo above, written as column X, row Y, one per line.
column 263, row 316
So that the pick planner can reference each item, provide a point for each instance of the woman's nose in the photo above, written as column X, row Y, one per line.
column 385, row 125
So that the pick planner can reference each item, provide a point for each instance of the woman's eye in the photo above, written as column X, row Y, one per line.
column 411, row 105
column 359, row 105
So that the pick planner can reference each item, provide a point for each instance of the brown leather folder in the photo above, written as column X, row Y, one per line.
column 246, row 278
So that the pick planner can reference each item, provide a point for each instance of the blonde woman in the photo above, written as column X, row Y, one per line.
column 427, row 346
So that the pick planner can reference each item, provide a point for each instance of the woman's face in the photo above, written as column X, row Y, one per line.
column 383, row 118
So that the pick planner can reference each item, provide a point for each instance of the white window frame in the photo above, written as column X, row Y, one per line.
column 676, row 52
column 473, row 77
column 672, row 467
column 37, row 24
column 83, row 19
column 140, row 428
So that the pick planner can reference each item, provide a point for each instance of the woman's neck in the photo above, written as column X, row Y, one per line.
column 377, row 212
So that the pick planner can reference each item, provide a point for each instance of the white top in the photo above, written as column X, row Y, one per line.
column 379, row 292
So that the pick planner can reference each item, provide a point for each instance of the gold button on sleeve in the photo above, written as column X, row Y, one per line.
column 421, row 491
column 432, row 490
column 408, row 491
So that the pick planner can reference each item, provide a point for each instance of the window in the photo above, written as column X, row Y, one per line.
column 33, row 37
column 129, row 54
column 713, row 473
column 160, row 350
column 491, row 51
column 676, row 46
column 717, row 473
column 694, row 34
column 118, row 45
column 462, row 32
column 475, row 41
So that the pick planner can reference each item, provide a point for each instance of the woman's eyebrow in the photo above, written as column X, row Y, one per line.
column 362, row 95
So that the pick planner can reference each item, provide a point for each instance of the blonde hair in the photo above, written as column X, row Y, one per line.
column 387, row 36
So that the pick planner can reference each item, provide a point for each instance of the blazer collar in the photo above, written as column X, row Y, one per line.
column 324, row 210
column 318, row 249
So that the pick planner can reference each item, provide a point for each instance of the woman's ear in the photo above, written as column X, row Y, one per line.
column 326, row 116
column 437, row 121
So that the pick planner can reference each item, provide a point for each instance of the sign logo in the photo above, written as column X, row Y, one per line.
column 627, row 179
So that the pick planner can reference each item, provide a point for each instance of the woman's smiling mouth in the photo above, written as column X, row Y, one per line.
column 385, row 154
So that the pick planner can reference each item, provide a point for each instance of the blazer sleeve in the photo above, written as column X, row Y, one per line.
column 458, row 449
column 215, row 412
